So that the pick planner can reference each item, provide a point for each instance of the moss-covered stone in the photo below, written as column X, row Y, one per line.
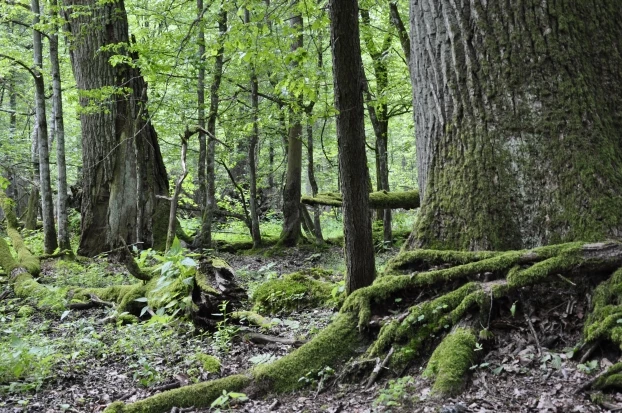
column 197, row 395
column 209, row 363
column 295, row 291
column 451, row 361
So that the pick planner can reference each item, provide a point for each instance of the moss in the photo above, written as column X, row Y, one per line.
column 24, row 256
column 252, row 318
column 335, row 343
column 421, row 260
column 209, row 363
column 124, row 295
column 613, row 378
column 377, row 200
column 451, row 361
column 242, row 243
column 25, row 311
column 199, row 395
column 295, row 291
column 7, row 262
column 159, row 294
column 6, row 204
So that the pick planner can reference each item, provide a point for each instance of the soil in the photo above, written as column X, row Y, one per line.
column 516, row 373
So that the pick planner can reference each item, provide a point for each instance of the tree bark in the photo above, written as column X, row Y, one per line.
column 517, row 113
column 123, row 167
column 317, row 224
column 59, row 132
column 47, row 205
column 201, row 167
column 293, row 179
column 210, row 205
column 348, row 84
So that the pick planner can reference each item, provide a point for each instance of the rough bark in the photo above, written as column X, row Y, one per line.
column 59, row 133
column 123, row 168
column 47, row 205
column 348, row 85
column 293, row 179
column 205, row 237
column 517, row 113
column 317, row 224
column 202, row 192
column 252, row 162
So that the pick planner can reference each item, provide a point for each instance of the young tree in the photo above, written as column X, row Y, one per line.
column 517, row 114
column 348, row 85
column 47, row 205
column 123, row 169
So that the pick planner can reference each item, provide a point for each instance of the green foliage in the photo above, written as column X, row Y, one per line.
column 223, row 336
column 226, row 399
column 397, row 393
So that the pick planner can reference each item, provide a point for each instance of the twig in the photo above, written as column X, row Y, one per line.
column 566, row 279
column 92, row 303
column 379, row 367
column 588, row 353
column 530, row 324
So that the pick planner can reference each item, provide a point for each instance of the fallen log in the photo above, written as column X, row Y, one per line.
column 377, row 200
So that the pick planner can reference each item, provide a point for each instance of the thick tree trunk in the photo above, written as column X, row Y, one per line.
column 293, row 179
column 210, row 205
column 348, row 84
column 517, row 113
column 47, row 205
column 123, row 168
column 59, row 132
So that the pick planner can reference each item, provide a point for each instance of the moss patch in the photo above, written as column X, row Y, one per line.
column 209, row 363
column 377, row 200
column 295, row 291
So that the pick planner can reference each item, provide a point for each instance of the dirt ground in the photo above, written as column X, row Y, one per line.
column 516, row 372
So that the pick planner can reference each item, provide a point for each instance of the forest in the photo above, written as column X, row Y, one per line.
column 310, row 206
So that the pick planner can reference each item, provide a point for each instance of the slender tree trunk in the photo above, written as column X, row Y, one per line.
column 202, row 192
column 32, row 209
column 317, row 225
column 348, row 84
column 59, row 132
column 378, row 114
column 47, row 205
column 123, row 168
column 517, row 107
column 210, row 204
column 293, row 180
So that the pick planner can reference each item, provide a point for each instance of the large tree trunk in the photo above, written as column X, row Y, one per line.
column 123, row 168
column 293, row 179
column 47, row 205
column 517, row 114
column 348, row 83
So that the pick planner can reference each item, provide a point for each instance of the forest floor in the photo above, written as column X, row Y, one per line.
column 71, row 362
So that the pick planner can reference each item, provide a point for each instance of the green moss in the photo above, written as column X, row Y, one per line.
column 252, row 318
column 612, row 379
column 199, row 395
column 6, row 204
column 7, row 262
column 421, row 260
column 451, row 361
column 124, row 295
column 25, row 311
column 295, row 291
column 335, row 343
column 209, row 363
column 377, row 200
column 24, row 256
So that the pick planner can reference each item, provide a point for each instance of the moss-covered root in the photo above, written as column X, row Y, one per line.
column 197, row 395
column 335, row 343
column 451, row 361
column 423, row 260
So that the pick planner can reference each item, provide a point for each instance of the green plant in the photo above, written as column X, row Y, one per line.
column 223, row 336
column 397, row 393
column 228, row 398
column 144, row 372
column 589, row 367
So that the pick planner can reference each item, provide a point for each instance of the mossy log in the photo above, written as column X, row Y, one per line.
column 377, row 200
column 409, row 334
column 24, row 257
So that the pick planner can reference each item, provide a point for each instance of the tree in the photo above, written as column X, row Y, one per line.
column 348, row 85
column 123, row 169
column 517, row 123
column 47, row 206
column 293, row 179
